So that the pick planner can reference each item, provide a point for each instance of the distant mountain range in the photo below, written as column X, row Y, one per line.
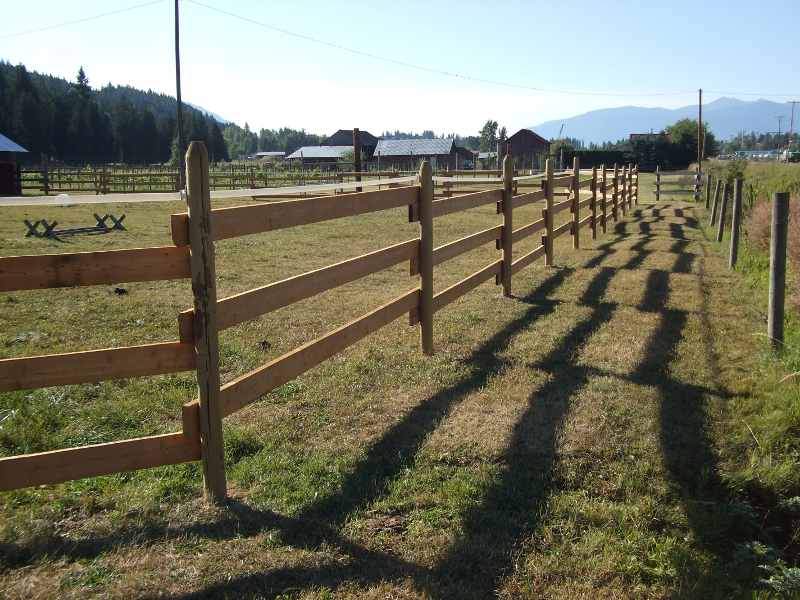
column 726, row 117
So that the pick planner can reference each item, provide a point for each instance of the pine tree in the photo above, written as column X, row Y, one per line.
column 82, row 84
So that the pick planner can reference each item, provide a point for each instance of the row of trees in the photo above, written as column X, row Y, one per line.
column 675, row 147
column 73, row 123
column 761, row 141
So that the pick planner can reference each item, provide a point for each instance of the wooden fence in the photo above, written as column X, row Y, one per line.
column 682, row 183
column 605, row 195
column 105, row 179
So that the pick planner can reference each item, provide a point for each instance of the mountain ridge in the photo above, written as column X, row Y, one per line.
column 725, row 116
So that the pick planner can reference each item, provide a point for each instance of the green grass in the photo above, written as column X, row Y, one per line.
column 582, row 439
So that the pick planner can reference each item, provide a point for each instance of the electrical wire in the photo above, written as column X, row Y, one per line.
column 425, row 69
column 81, row 20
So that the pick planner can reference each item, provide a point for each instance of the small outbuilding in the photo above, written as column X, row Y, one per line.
column 528, row 149
column 10, row 180
column 269, row 155
column 320, row 155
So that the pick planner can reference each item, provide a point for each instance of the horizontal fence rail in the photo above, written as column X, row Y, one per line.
column 587, row 203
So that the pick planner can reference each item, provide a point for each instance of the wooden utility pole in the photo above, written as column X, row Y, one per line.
column 179, row 116
column 357, row 155
column 700, row 140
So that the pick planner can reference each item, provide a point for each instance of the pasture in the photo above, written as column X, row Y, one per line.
column 568, row 441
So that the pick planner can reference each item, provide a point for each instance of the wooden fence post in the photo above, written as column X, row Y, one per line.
column 576, row 198
column 637, row 185
column 615, row 194
column 658, row 183
column 426, row 257
column 630, row 185
column 547, row 239
column 604, row 200
column 777, row 267
column 697, row 184
column 735, row 222
column 357, row 155
column 206, row 342
column 593, row 203
column 723, row 207
column 713, row 217
column 508, row 222
column 708, row 190
column 624, row 191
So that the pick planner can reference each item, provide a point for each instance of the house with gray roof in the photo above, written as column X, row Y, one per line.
column 406, row 154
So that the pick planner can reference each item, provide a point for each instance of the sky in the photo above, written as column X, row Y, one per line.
column 616, row 53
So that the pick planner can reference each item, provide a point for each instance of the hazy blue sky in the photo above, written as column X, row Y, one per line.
column 245, row 72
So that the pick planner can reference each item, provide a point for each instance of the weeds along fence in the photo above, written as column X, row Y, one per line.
column 605, row 195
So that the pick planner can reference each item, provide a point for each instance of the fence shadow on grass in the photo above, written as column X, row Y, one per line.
column 684, row 430
column 508, row 510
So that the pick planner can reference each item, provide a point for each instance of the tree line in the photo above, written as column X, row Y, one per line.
column 71, row 122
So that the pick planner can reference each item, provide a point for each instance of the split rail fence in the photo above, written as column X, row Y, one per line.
column 605, row 196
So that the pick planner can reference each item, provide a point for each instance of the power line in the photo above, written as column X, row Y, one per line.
column 81, row 20
column 423, row 68
column 759, row 94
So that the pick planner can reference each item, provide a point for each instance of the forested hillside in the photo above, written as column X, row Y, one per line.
column 71, row 122
column 74, row 123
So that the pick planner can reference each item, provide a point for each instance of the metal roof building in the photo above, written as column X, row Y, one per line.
column 8, row 145
column 414, row 147
column 319, row 153
column 406, row 154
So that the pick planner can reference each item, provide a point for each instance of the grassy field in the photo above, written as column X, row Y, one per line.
column 583, row 439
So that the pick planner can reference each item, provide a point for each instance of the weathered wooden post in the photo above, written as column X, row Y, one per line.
column 777, row 267
column 547, row 239
column 708, row 190
column 735, row 222
column 576, row 198
column 206, row 342
column 603, row 200
column 615, row 194
column 357, row 155
column 637, row 185
column 593, row 203
column 658, row 183
column 623, row 192
column 713, row 217
column 508, row 222
column 722, row 209
column 426, row 257
column 45, row 176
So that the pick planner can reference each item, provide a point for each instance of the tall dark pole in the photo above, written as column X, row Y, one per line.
column 179, row 119
column 700, row 139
